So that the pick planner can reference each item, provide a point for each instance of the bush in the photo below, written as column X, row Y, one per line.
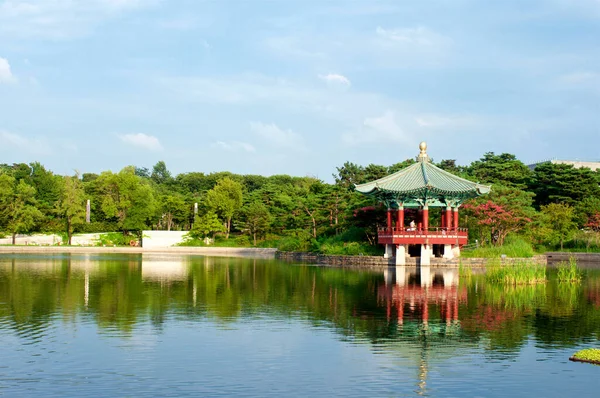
column 291, row 244
column 115, row 239
column 242, row 241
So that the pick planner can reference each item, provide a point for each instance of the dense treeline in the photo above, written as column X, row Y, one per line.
column 553, row 206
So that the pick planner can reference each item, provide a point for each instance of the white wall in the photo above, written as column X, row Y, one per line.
column 151, row 239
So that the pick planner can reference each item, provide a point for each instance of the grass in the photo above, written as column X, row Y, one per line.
column 517, row 248
column 464, row 272
column 569, row 272
column 588, row 355
column 519, row 273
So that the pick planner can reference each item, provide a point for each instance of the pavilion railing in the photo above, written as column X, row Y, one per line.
column 435, row 231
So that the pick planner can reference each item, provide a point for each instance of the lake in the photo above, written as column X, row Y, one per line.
column 152, row 325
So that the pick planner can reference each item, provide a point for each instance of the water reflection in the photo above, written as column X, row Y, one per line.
column 428, row 320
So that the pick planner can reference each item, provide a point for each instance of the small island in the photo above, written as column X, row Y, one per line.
column 589, row 355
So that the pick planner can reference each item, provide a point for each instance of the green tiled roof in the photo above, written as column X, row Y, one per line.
column 423, row 181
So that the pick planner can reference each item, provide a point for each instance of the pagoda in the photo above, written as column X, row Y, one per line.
column 422, row 186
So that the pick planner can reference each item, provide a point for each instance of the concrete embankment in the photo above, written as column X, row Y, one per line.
column 584, row 260
column 379, row 261
column 180, row 250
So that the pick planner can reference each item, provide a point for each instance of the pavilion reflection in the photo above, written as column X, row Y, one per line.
column 410, row 291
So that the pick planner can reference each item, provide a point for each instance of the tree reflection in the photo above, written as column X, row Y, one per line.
column 121, row 292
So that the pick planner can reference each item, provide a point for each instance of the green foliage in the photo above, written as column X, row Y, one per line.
column 225, row 199
column 569, row 272
column 97, row 226
column 557, row 224
column 562, row 183
column 464, row 272
column 115, row 239
column 71, row 205
column 174, row 211
column 18, row 211
column 242, row 241
column 518, row 273
column 299, row 211
column 504, row 211
column 126, row 198
column 589, row 354
column 502, row 169
column 206, row 225
column 160, row 173
column 350, row 243
column 256, row 220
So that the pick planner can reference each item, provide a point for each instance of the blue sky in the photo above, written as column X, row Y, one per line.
column 295, row 87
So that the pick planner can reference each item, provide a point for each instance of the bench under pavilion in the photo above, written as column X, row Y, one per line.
column 422, row 186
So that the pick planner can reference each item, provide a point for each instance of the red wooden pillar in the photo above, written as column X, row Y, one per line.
column 449, row 224
column 389, row 219
column 400, row 223
column 456, row 218
column 425, row 218
column 443, row 220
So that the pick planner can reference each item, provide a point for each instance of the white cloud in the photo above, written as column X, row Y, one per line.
column 36, row 146
column 6, row 75
column 334, row 78
column 141, row 140
column 277, row 136
column 233, row 146
column 381, row 130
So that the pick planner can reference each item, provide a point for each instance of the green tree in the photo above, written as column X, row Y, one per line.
column 562, row 183
column 502, row 169
column 349, row 175
column 160, row 173
column 127, row 198
column 71, row 205
column 225, row 199
column 504, row 211
column 557, row 223
column 18, row 211
column 174, row 210
column 206, row 225
column 256, row 219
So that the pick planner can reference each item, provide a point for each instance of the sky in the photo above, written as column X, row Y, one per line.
column 295, row 86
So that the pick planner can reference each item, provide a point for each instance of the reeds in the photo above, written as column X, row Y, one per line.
column 569, row 272
column 518, row 273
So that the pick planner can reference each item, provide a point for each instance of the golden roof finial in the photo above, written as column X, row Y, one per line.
column 423, row 148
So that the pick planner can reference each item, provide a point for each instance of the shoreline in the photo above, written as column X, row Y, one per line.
column 179, row 250
column 550, row 259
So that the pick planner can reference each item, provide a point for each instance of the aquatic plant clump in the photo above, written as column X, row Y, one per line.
column 591, row 355
column 519, row 273
column 569, row 272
